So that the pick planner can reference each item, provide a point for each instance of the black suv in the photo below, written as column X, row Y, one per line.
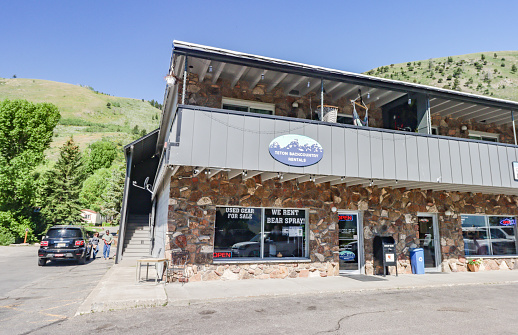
column 64, row 242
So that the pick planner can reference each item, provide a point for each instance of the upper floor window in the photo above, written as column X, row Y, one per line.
column 248, row 106
column 344, row 118
column 483, row 136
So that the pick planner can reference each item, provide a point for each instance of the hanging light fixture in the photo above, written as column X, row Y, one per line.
column 309, row 83
column 210, row 68
column 262, row 76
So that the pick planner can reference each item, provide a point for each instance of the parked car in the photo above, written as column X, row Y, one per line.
column 476, row 241
column 273, row 244
column 64, row 243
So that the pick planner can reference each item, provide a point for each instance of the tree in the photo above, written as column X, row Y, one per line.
column 62, row 185
column 101, row 154
column 482, row 57
column 26, row 130
column 112, row 197
column 513, row 68
column 93, row 189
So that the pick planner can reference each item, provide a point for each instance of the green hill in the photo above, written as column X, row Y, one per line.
column 86, row 115
column 485, row 73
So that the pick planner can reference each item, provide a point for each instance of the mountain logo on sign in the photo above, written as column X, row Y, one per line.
column 296, row 150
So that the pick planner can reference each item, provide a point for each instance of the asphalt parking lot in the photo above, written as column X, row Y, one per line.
column 34, row 297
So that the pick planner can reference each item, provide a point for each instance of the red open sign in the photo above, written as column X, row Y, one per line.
column 222, row 255
column 345, row 217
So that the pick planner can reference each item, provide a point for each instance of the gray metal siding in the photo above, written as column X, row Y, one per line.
column 412, row 158
column 485, row 165
column 325, row 140
column 423, row 159
column 389, row 156
column 218, row 136
column 376, row 155
column 400, row 157
column 364, row 154
column 444, row 161
column 200, row 149
column 476, row 170
column 338, row 151
column 465, row 163
column 235, row 137
column 434, row 159
column 234, row 141
column 351, row 152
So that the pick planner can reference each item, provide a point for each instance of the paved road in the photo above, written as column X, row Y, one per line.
column 33, row 297
column 477, row 309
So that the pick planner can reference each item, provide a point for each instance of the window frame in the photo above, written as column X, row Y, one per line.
column 483, row 136
column 488, row 227
column 263, row 259
column 248, row 104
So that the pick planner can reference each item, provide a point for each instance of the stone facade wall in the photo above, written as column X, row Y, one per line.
column 449, row 126
column 210, row 95
column 386, row 211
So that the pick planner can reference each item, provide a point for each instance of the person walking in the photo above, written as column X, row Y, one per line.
column 95, row 244
column 108, row 239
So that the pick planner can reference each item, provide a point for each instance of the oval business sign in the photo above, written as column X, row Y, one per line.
column 296, row 150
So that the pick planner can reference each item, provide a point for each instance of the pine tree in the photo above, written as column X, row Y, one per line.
column 61, row 187
column 112, row 197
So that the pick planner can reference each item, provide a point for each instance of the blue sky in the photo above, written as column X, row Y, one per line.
column 123, row 47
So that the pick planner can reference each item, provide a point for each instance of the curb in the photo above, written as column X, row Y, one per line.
column 195, row 301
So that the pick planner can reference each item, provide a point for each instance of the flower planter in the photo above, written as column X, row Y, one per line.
column 473, row 267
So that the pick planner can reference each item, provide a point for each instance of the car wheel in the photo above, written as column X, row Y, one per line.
column 81, row 260
column 42, row 261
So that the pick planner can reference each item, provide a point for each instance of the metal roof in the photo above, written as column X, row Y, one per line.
column 296, row 72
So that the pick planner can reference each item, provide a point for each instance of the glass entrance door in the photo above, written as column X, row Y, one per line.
column 348, row 241
column 428, row 240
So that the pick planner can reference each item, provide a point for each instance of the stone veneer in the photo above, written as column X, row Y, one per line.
column 386, row 211
column 210, row 95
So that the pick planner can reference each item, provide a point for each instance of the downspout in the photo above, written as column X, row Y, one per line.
column 322, row 99
column 124, row 210
column 184, row 81
column 514, row 126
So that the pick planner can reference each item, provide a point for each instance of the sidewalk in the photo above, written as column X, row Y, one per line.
column 118, row 288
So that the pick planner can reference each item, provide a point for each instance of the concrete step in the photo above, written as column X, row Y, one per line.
column 137, row 230
column 140, row 254
column 137, row 247
column 138, row 233
column 136, row 237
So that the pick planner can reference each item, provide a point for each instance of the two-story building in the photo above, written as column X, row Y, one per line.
column 266, row 168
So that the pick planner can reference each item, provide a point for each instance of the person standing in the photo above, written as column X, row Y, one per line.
column 95, row 244
column 107, row 239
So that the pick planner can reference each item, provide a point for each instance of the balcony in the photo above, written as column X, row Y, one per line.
column 237, row 143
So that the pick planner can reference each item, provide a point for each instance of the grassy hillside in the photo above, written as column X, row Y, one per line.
column 85, row 114
column 485, row 73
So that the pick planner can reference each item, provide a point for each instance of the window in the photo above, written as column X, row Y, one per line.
column 489, row 235
column 344, row 118
column 483, row 136
column 248, row 106
column 259, row 233
column 435, row 130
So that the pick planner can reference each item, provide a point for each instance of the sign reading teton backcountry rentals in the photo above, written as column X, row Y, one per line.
column 296, row 150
